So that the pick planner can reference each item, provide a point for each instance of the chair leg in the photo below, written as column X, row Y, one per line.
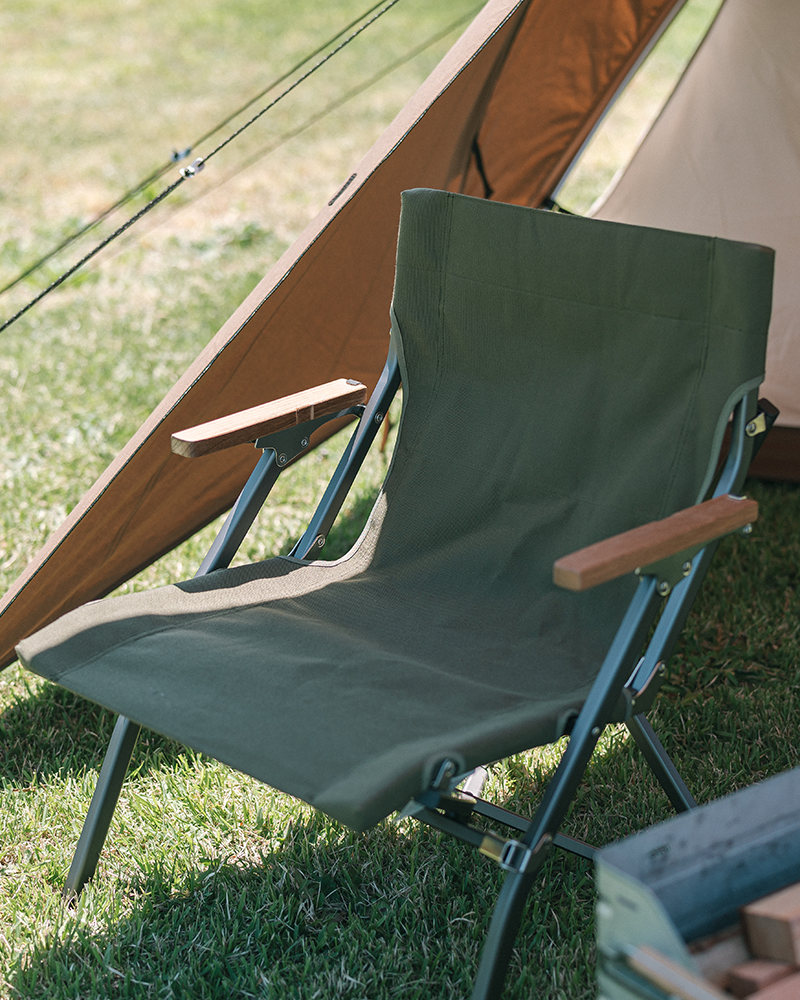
column 101, row 810
column 118, row 755
column 560, row 791
column 660, row 764
column 510, row 908
column 499, row 944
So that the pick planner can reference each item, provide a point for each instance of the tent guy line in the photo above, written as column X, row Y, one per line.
column 318, row 117
column 183, row 154
column 96, row 249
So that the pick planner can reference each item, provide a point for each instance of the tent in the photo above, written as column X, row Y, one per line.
column 504, row 116
column 723, row 159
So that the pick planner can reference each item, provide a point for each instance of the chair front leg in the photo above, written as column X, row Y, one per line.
column 123, row 739
column 104, row 802
column 597, row 710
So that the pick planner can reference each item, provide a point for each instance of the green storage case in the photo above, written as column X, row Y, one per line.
column 685, row 879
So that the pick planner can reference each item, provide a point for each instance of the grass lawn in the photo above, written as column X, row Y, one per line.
column 212, row 885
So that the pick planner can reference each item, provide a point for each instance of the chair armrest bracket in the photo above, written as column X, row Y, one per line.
column 284, row 446
column 672, row 569
column 293, row 441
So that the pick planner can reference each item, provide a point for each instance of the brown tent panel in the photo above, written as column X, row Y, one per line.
column 568, row 62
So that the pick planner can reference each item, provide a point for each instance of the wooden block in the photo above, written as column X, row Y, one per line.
column 785, row 989
column 668, row 976
column 749, row 977
column 772, row 925
column 716, row 954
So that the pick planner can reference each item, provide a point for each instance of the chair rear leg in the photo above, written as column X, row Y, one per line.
column 660, row 763
column 101, row 810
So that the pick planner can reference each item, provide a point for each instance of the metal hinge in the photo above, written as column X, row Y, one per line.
column 512, row 855
column 652, row 680
column 288, row 444
column 757, row 425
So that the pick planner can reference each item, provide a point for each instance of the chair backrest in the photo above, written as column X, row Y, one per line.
column 564, row 379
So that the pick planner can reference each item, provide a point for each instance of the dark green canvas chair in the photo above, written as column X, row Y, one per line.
column 564, row 381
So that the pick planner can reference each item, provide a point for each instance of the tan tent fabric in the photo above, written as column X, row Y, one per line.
column 723, row 159
column 322, row 312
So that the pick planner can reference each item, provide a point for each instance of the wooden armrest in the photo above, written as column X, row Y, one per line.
column 258, row 421
column 613, row 557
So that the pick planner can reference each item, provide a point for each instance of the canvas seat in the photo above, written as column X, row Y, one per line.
column 564, row 381
column 345, row 680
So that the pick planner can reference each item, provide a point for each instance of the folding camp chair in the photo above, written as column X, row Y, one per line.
column 564, row 381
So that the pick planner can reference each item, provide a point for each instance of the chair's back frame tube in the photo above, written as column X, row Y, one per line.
column 354, row 454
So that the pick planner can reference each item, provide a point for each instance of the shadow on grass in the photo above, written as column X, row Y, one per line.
column 324, row 913
column 51, row 731
column 395, row 912
column 313, row 910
